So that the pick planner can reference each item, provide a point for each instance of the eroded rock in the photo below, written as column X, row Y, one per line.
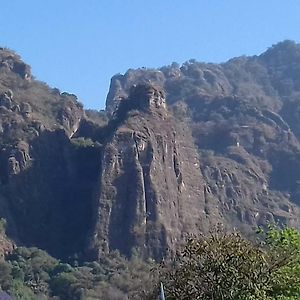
column 151, row 191
column 26, row 109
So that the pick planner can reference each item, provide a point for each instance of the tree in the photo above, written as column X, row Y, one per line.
column 5, row 275
column 284, row 255
column 227, row 266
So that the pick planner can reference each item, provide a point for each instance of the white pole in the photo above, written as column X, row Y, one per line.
column 162, row 292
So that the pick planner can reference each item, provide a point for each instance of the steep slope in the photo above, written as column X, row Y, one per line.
column 44, row 177
column 151, row 190
column 185, row 147
column 243, row 115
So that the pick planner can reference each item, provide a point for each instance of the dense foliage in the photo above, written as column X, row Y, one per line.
column 227, row 266
column 30, row 273
column 219, row 266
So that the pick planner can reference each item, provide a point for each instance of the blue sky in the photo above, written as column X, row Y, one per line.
column 79, row 45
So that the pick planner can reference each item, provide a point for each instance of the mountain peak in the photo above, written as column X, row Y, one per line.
column 147, row 96
column 284, row 52
column 11, row 61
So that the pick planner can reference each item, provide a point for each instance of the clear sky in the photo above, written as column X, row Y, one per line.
column 78, row 45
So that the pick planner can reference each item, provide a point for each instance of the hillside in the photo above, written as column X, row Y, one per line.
column 243, row 118
column 178, row 150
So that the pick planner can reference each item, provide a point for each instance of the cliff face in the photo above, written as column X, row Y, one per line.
column 243, row 117
column 182, row 149
column 40, row 168
column 151, row 189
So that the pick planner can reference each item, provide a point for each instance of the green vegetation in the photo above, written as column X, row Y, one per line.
column 82, row 142
column 30, row 273
column 284, row 263
column 219, row 266
column 227, row 266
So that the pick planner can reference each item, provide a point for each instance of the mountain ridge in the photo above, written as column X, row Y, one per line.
column 221, row 141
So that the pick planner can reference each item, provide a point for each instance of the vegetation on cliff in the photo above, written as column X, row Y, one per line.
column 187, row 146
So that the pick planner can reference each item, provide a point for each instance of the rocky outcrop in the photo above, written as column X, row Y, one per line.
column 243, row 115
column 184, row 147
column 120, row 85
column 70, row 116
column 11, row 62
column 19, row 158
column 39, row 164
column 150, row 189
column 6, row 99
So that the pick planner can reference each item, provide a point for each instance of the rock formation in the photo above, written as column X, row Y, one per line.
column 150, row 188
column 178, row 150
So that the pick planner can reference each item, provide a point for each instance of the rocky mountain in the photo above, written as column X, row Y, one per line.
column 151, row 187
column 178, row 150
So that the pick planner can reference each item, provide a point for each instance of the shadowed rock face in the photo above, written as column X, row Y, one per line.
column 39, row 164
column 151, row 190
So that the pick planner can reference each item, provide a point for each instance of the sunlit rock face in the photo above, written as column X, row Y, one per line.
column 151, row 191
column 148, row 97
column 177, row 150
column 243, row 116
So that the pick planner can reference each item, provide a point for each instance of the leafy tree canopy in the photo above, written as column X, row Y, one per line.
column 227, row 266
